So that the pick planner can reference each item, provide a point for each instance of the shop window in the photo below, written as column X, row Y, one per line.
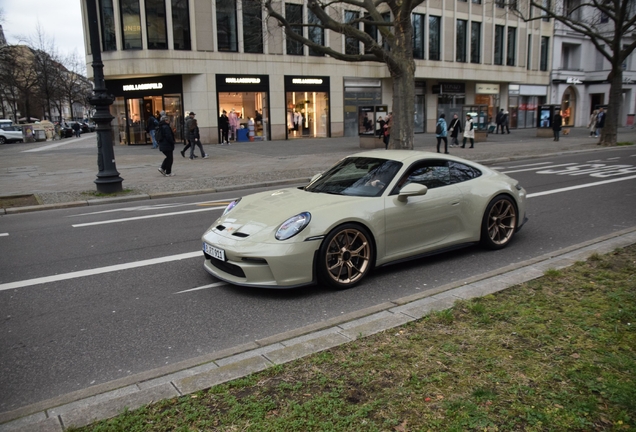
column 131, row 24
column 434, row 37
column 156, row 24
column 511, row 57
column 460, row 49
column 294, row 15
column 252, row 27
column 107, row 21
column 315, row 33
column 307, row 114
column 499, row 44
column 181, row 25
column 226, row 25
column 352, row 45
column 475, row 42
column 418, row 36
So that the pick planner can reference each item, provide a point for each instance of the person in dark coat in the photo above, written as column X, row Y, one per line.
column 195, row 139
column 224, row 125
column 166, row 146
column 499, row 120
column 600, row 121
column 557, row 122
column 455, row 128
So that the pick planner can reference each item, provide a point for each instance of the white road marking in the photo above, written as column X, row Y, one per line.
column 537, row 168
column 152, row 207
column 214, row 285
column 100, row 270
column 144, row 217
column 532, row 195
column 4, row 234
column 529, row 165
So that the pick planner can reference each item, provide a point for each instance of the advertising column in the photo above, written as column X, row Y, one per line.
column 307, row 107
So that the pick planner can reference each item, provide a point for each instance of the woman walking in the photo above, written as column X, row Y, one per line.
column 469, row 132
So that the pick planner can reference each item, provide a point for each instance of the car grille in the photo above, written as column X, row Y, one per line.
column 225, row 266
column 236, row 234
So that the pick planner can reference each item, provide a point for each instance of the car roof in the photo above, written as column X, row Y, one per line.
column 404, row 156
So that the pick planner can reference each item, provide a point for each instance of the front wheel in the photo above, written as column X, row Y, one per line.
column 499, row 223
column 2, row 140
column 345, row 256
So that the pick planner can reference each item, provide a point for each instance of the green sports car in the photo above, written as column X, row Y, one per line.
column 369, row 210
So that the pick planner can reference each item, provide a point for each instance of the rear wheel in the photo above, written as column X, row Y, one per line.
column 345, row 256
column 499, row 222
column 2, row 140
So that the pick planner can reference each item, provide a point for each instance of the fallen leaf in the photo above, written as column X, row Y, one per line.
column 401, row 427
column 575, row 355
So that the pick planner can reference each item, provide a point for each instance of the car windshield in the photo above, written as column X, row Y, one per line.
column 356, row 176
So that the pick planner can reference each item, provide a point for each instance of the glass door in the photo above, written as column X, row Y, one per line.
column 136, row 125
column 172, row 106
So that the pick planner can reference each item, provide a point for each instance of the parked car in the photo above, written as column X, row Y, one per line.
column 92, row 126
column 83, row 126
column 369, row 210
column 66, row 131
column 9, row 134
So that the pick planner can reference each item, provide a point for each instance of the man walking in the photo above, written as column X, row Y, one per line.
column 166, row 146
column 505, row 122
column 499, row 120
column 557, row 122
column 151, row 126
column 600, row 121
column 187, row 134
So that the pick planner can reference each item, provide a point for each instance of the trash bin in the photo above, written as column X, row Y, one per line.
column 40, row 135
column 241, row 134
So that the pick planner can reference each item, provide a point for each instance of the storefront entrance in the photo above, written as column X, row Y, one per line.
column 307, row 107
column 568, row 107
column 243, row 98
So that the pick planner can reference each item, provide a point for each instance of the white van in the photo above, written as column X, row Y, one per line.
column 10, row 133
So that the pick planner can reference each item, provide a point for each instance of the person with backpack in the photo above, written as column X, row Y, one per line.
column 469, row 132
column 441, row 132
column 165, row 137
column 151, row 126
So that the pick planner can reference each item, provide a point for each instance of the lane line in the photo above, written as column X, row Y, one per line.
column 214, row 285
column 529, row 165
column 550, row 192
column 145, row 217
column 4, row 234
column 537, row 168
column 100, row 270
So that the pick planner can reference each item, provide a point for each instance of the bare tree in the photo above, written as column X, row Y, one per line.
column 48, row 69
column 611, row 27
column 73, row 86
column 19, row 77
column 392, row 19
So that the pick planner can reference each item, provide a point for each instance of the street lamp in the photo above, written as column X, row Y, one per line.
column 108, row 180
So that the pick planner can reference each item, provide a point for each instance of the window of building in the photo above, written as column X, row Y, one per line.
column 352, row 45
column 252, row 27
column 570, row 56
column 604, row 18
column 418, row 36
column 386, row 17
column 460, row 47
column 107, row 21
column 434, row 37
column 600, row 60
column 226, row 33
column 181, row 25
column 476, row 1
column 499, row 44
column 529, row 54
column 156, row 24
column 573, row 9
column 475, row 42
column 131, row 24
column 315, row 33
column 545, row 45
column 294, row 15
column 372, row 31
column 511, row 56
column 500, row 3
column 546, row 7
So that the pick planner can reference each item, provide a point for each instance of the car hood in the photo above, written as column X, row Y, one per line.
column 264, row 212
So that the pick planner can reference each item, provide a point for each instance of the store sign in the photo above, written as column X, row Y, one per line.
column 572, row 80
column 242, row 80
column 487, row 88
column 312, row 81
column 449, row 88
column 146, row 86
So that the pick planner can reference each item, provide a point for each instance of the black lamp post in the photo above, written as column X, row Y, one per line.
column 108, row 180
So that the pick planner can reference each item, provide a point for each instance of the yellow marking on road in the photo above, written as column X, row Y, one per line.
column 214, row 203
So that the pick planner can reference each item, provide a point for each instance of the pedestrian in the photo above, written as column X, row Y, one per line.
column 440, row 133
column 592, row 124
column 165, row 138
column 189, row 144
column 557, row 123
column 195, row 139
column 505, row 122
column 224, row 126
column 151, row 126
column 600, row 121
column 387, row 130
column 77, row 130
column 469, row 132
column 455, row 128
column 499, row 120
column 380, row 130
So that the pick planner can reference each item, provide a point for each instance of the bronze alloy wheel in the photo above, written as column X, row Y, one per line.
column 345, row 256
column 500, row 222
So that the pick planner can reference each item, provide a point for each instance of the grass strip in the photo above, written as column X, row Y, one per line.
column 555, row 354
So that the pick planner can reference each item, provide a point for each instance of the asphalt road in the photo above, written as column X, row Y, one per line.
column 144, row 301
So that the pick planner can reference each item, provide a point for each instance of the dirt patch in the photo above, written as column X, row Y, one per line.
column 18, row 201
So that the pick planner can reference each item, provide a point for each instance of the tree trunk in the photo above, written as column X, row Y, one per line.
column 608, row 133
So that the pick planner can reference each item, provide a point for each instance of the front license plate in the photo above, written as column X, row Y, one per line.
column 214, row 252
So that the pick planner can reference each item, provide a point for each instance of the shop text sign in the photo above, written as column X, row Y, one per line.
column 145, row 86
column 311, row 81
column 242, row 80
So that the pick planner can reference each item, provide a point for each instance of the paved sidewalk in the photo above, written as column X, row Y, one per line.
column 58, row 171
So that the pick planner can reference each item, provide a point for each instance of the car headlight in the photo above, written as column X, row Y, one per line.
column 230, row 206
column 293, row 226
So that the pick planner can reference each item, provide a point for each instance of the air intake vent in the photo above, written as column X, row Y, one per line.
column 240, row 234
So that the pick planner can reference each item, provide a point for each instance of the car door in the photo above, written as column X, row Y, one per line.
column 422, row 223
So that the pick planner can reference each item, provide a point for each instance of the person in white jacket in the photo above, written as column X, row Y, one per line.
column 469, row 132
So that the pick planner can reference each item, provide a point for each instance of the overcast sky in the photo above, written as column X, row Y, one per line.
column 59, row 20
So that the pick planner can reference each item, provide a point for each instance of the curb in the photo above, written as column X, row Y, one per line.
column 110, row 399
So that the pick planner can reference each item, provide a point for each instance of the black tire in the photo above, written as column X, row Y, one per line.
column 346, row 256
column 499, row 223
column 2, row 140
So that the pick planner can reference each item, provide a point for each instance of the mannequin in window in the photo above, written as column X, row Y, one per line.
column 234, row 122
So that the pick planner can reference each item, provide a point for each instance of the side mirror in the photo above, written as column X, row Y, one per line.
column 411, row 189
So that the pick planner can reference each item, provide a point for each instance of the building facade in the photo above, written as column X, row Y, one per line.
column 210, row 56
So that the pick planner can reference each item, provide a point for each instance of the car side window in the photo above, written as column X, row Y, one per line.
column 460, row 172
column 432, row 174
